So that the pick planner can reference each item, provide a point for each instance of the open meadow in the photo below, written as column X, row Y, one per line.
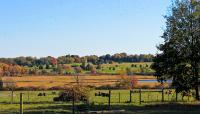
column 46, row 82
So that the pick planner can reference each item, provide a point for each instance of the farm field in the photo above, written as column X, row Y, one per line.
column 151, row 102
column 136, row 67
column 46, row 82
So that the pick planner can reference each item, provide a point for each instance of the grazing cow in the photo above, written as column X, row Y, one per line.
column 40, row 94
column 98, row 94
column 185, row 93
column 53, row 93
column 169, row 92
column 102, row 94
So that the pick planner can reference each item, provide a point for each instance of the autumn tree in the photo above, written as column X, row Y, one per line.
column 1, row 71
column 134, row 82
column 68, row 69
column 93, row 70
column 1, row 83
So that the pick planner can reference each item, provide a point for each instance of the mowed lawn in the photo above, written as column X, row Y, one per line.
column 46, row 82
column 151, row 103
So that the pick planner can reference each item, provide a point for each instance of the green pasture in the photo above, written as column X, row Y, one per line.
column 113, row 68
column 138, row 67
column 119, row 100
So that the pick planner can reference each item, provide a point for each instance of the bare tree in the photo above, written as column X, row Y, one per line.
column 10, row 84
column 77, row 78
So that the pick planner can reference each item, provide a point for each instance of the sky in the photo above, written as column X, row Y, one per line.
column 82, row 27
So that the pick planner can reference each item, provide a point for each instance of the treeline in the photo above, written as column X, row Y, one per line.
column 69, row 59
column 12, row 70
column 16, row 70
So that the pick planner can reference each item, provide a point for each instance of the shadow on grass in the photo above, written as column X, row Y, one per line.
column 41, row 102
column 166, row 108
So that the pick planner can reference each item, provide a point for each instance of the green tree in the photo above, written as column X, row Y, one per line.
column 89, row 67
column 179, row 59
column 99, row 66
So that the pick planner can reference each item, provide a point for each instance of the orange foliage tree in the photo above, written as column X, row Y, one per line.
column 12, row 70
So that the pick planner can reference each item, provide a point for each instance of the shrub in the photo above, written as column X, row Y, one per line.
column 134, row 82
column 124, row 83
column 93, row 70
column 78, row 70
column 145, row 87
column 40, row 67
column 79, row 93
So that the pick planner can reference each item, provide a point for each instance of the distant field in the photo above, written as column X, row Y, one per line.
column 137, row 67
column 56, row 81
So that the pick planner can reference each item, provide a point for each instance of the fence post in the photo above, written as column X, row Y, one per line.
column 119, row 97
column 163, row 95
column 109, row 98
column 73, row 103
column 140, row 96
column 130, row 96
column 21, row 103
column 12, row 96
column 168, row 96
column 157, row 97
column 182, row 97
column 176, row 96
column 28, row 96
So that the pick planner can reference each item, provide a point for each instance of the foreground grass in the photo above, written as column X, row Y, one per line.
column 166, row 108
column 151, row 105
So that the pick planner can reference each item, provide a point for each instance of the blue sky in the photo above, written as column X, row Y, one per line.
column 83, row 27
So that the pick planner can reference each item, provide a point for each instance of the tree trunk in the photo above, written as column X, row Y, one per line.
column 197, row 92
column 196, row 81
column 196, row 77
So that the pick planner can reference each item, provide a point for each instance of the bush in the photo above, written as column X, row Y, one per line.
column 124, row 83
column 79, row 93
column 145, row 87
column 134, row 82
column 106, row 87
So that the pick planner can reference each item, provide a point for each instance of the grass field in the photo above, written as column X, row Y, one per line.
column 151, row 105
column 46, row 82
column 137, row 67
column 113, row 68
